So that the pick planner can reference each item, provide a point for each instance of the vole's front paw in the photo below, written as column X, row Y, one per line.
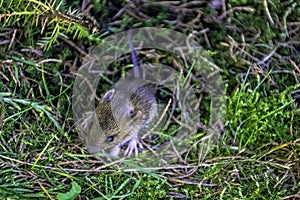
column 133, row 146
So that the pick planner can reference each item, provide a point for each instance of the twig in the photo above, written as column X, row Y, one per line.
column 268, row 12
column 12, row 39
column 223, row 15
column 72, row 44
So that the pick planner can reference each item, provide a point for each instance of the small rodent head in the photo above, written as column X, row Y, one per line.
column 118, row 119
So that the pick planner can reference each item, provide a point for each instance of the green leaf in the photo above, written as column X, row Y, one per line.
column 72, row 194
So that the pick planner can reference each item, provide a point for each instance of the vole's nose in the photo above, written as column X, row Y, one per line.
column 93, row 149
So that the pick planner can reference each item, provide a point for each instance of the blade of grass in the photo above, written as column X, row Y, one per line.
column 43, row 151
column 45, row 191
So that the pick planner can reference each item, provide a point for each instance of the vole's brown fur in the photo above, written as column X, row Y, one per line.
column 123, row 110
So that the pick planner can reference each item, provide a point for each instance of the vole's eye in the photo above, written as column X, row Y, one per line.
column 131, row 113
column 110, row 138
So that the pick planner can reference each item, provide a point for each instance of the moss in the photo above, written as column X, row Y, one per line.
column 255, row 119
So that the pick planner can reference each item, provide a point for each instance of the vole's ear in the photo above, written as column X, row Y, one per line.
column 108, row 95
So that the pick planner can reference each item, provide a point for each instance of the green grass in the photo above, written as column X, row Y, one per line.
column 41, row 155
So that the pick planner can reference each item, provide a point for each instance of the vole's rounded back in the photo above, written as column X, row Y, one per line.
column 122, row 112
